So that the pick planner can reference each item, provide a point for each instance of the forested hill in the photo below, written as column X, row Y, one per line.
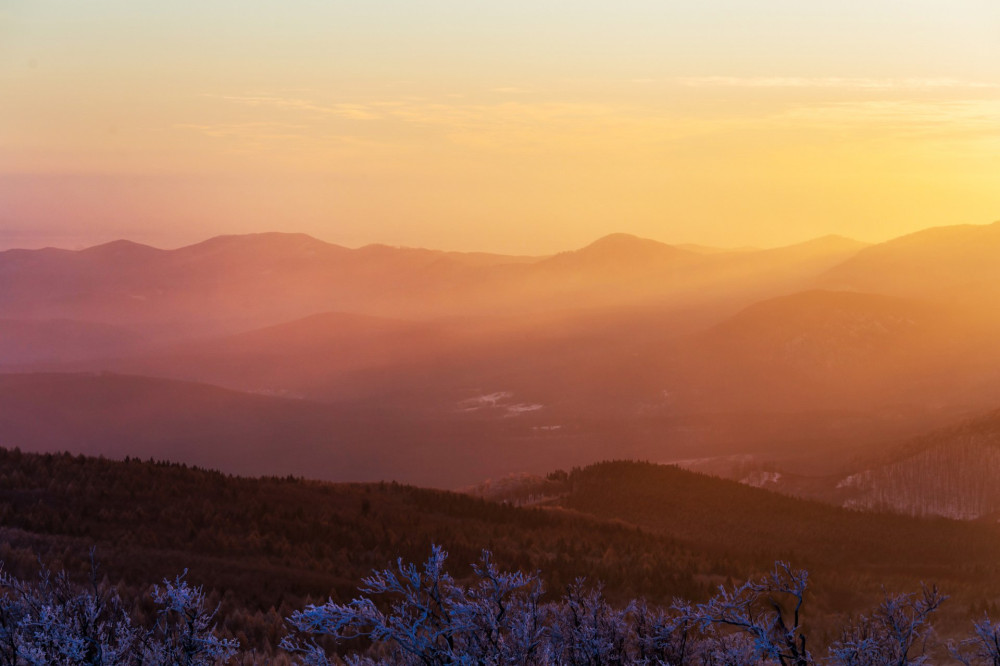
column 851, row 555
column 715, row 514
column 268, row 546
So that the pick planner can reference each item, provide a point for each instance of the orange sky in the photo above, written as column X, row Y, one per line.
column 522, row 126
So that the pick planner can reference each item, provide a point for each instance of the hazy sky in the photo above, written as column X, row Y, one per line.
column 511, row 125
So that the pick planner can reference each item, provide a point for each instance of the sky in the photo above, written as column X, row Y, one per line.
column 516, row 126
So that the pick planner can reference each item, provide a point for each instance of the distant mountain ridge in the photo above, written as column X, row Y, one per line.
column 932, row 262
column 497, row 365
column 620, row 252
column 232, row 283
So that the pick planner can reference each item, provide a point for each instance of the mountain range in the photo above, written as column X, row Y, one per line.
column 275, row 353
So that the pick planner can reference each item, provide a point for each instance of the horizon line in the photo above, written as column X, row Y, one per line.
column 694, row 246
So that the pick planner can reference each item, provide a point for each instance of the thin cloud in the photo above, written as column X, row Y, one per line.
column 952, row 118
column 503, row 127
column 343, row 110
column 573, row 128
column 831, row 82
column 248, row 129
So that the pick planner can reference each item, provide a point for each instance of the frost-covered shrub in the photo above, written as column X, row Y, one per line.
column 894, row 634
column 429, row 618
column 52, row 621
column 982, row 648
column 421, row 615
column 432, row 618
column 184, row 632
column 767, row 613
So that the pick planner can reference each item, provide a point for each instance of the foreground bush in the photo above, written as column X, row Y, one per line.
column 51, row 621
column 424, row 616
column 420, row 615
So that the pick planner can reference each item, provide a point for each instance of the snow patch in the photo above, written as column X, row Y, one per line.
column 848, row 481
column 485, row 400
column 761, row 478
column 499, row 400
column 522, row 407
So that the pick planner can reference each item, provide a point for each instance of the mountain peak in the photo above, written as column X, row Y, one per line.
column 623, row 241
column 272, row 243
column 119, row 248
column 619, row 254
column 930, row 261
column 623, row 249
column 263, row 238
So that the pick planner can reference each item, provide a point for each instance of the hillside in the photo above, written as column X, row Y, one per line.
column 945, row 262
column 851, row 555
column 34, row 342
column 717, row 515
column 266, row 546
column 824, row 349
column 241, row 433
column 949, row 472
column 325, row 355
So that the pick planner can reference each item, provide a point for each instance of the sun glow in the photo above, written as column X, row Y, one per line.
column 520, row 129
